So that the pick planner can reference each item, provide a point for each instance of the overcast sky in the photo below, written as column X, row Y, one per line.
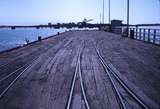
column 44, row 11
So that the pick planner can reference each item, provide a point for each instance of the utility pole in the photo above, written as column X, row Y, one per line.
column 100, row 18
column 127, row 17
column 103, row 11
column 109, row 11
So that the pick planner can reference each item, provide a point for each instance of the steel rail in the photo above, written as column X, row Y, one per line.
column 73, row 83
column 12, row 83
column 6, row 77
column 128, row 90
column 20, row 68
column 110, row 78
column 9, row 75
column 6, row 64
column 82, row 86
column 77, row 71
column 15, row 71
column 17, row 77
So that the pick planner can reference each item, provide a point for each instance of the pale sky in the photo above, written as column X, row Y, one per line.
column 25, row 12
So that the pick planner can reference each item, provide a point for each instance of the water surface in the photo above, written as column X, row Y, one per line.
column 12, row 38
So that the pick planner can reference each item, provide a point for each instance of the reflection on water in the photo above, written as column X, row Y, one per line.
column 12, row 38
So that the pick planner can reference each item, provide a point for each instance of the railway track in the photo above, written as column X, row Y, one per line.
column 17, row 75
column 127, row 99
column 12, row 77
column 33, row 56
column 5, row 65
column 77, row 71
column 7, row 81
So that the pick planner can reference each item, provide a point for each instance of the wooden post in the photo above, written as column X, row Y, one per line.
column 132, row 33
column 140, row 33
column 144, row 34
column 149, row 32
column 39, row 38
column 136, row 33
column 129, row 32
column 154, row 36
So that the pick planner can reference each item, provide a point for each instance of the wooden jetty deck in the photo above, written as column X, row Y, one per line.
column 71, row 70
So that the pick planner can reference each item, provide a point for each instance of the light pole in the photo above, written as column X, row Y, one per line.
column 103, row 11
column 100, row 18
column 127, row 17
column 109, row 11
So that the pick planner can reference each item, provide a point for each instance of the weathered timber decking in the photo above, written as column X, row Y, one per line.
column 46, row 84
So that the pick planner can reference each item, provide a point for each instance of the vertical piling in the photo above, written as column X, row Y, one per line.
column 140, row 30
column 39, row 38
column 144, row 34
column 154, row 36
column 149, row 32
column 132, row 34
column 136, row 32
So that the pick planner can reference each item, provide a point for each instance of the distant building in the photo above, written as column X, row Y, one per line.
column 13, row 27
column 116, row 26
column 116, row 23
column 49, row 24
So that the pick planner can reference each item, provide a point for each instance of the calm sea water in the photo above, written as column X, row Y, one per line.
column 12, row 38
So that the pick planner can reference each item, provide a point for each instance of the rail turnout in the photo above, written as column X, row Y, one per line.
column 78, row 71
column 123, row 101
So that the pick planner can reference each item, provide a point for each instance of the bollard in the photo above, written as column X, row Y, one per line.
column 124, row 33
column 39, row 38
column 132, row 34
